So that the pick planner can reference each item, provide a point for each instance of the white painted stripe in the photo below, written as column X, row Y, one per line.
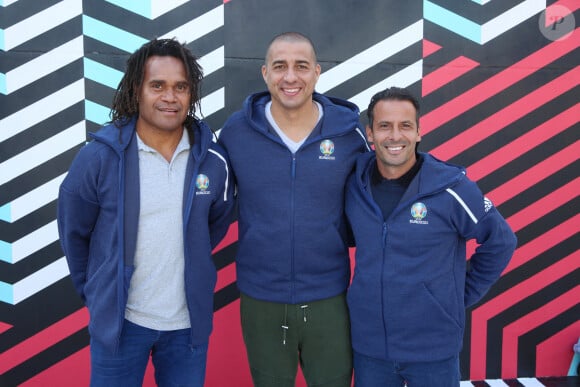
column 530, row 382
column 45, row 64
column 33, row 242
column 212, row 61
column 510, row 19
column 403, row 78
column 463, row 204
column 6, row 3
column 370, row 57
column 33, row 200
column 40, row 280
column 42, row 109
column 227, row 173
column 41, row 22
column 41, row 152
column 496, row 383
column 465, row 384
column 199, row 26
column 213, row 102
column 160, row 7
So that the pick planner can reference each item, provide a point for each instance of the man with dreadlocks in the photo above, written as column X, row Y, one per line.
column 141, row 209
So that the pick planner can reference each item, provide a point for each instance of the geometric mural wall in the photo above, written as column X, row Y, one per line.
column 498, row 82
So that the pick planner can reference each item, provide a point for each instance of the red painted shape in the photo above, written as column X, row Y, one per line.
column 524, row 143
column 554, row 355
column 43, row 340
column 543, row 243
column 72, row 371
column 535, row 174
column 429, row 48
column 481, row 315
column 4, row 327
column 507, row 115
column 226, row 276
column 230, row 237
column 545, row 205
column 498, row 83
column 447, row 73
column 227, row 363
column 513, row 331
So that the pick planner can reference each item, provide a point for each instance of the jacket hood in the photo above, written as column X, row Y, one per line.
column 119, row 137
column 340, row 116
column 434, row 175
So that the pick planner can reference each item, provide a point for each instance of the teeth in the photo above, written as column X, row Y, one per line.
column 395, row 148
column 291, row 90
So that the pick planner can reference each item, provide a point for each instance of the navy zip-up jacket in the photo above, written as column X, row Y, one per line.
column 411, row 284
column 98, row 211
column 292, row 231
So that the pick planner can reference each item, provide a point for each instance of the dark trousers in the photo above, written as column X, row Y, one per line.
column 314, row 334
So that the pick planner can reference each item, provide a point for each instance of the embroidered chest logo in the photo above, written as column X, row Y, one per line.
column 202, row 184
column 327, row 149
column 418, row 212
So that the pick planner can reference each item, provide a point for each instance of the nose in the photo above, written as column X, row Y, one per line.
column 289, row 76
column 395, row 134
column 168, row 94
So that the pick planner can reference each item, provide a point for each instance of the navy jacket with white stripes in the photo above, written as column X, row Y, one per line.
column 412, row 281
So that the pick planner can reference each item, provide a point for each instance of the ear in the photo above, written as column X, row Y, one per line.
column 264, row 72
column 418, row 133
column 369, row 134
column 317, row 69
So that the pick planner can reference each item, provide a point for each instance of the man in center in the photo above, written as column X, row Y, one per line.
column 291, row 151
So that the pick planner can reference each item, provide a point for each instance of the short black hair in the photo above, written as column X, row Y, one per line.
column 292, row 37
column 396, row 93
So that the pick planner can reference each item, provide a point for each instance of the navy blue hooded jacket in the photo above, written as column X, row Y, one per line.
column 411, row 286
column 292, row 230
column 98, row 211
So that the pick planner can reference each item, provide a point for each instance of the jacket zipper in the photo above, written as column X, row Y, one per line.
column 385, row 236
column 292, row 200
column 121, row 263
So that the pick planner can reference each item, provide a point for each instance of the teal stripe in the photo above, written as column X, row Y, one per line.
column 102, row 74
column 140, row 7
column 111, row 35
column 452, row 21
column 5, row 251
column 5, row 213
column 6, row 293
column 3, row 87
column 96, row 113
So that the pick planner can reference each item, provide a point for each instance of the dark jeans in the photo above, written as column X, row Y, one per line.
column 371, row 372
column 176, row 362
column 317, row 336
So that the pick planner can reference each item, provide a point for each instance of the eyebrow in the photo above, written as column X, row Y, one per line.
column 283, row 61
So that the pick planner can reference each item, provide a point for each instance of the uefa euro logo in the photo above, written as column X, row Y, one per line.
column 202, row 182
column 418, row 211
column 327, row 147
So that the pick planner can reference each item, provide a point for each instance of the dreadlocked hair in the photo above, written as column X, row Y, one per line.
column 126, row 98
